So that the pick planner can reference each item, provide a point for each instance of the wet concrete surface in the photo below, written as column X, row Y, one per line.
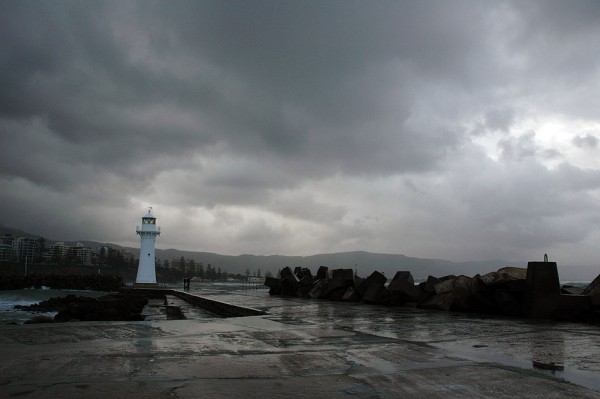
column 302, row 348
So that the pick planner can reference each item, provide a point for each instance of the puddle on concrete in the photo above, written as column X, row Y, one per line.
column 519, row 356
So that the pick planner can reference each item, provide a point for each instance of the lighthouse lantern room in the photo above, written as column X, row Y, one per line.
column 148, row 231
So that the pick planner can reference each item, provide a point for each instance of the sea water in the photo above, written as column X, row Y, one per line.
column 11, row 298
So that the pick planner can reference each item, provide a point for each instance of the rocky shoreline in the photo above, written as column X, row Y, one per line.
column 94, row 282
column 112, row 307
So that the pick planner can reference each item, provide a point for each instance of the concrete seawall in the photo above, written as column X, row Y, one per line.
column 218, row 308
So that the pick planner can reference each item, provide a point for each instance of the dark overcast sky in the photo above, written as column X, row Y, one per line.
column 464, row 130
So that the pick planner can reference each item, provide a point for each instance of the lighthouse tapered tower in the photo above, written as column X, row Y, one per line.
column 148, row 231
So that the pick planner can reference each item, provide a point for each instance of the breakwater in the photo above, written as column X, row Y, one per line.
column 218, row 308
column 533, row 292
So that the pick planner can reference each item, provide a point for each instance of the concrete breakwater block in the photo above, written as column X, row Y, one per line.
column 531, row 292
column 543, row 298
column 401, row 290
column 372, row 288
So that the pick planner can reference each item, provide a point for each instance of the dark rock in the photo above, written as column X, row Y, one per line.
column 358, row 280
column 350, row 295
column 337, row 294
column 404, row 282
column 593, row 290
column 97, row 282
column 341, row 280
column 307, row 280
column 427, row 288
column 54, row 304
column 40, row 319
column 481, row 296
column 372, row 289
column 274, row 285
column 571, row 290
column 304, row 273
column 116, row 307
column 305, row 286
column 287, row 273
column 289, row 282
column 572, row 307
column 460, row 288
column 323, row 273
column 401, row 289
column 504, row 275
column 429, row 285
column 594, row 287
column 462, row 293
column 449, row 277
column 438, row 302
column 317, row 289
column 533, row 292
column 507, row 303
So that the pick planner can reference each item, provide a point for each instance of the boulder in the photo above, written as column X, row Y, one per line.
column 481, row 296
column 593, row 288
column 358, row 280
column 341, row 280
column 438, row 302
column 116, row 307
column 40, row 319
column 343, row 276
column 371, row 290
column 444, row 286
column 568, row 289
column 462, row 294
column 513, row 273
column 573, row 307
column 317, row 289
column 401, row 289
column 289, row 282
column 350, row 295
column 504, row 274
column 429, row 285
column 274, row 285
column 507, row 303
column 303, row 273
column 323, row 273
column 306, row 284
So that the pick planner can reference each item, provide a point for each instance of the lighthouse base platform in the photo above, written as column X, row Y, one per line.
column 145, row 285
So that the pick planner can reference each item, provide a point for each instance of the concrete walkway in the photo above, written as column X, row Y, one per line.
column 302, row 349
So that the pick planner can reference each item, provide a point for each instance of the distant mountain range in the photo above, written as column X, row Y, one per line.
column 364, row 262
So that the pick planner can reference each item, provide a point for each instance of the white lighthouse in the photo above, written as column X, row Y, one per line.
column 148, row 231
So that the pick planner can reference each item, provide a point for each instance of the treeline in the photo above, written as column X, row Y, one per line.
column 113, row 263
column 182, row 267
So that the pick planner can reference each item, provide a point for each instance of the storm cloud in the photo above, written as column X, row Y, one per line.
column 463, row 130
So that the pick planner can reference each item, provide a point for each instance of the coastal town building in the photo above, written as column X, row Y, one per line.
column 83, row 253
column 6, row 253
column 26, row 249
column 31, row 250
column 58, row 251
